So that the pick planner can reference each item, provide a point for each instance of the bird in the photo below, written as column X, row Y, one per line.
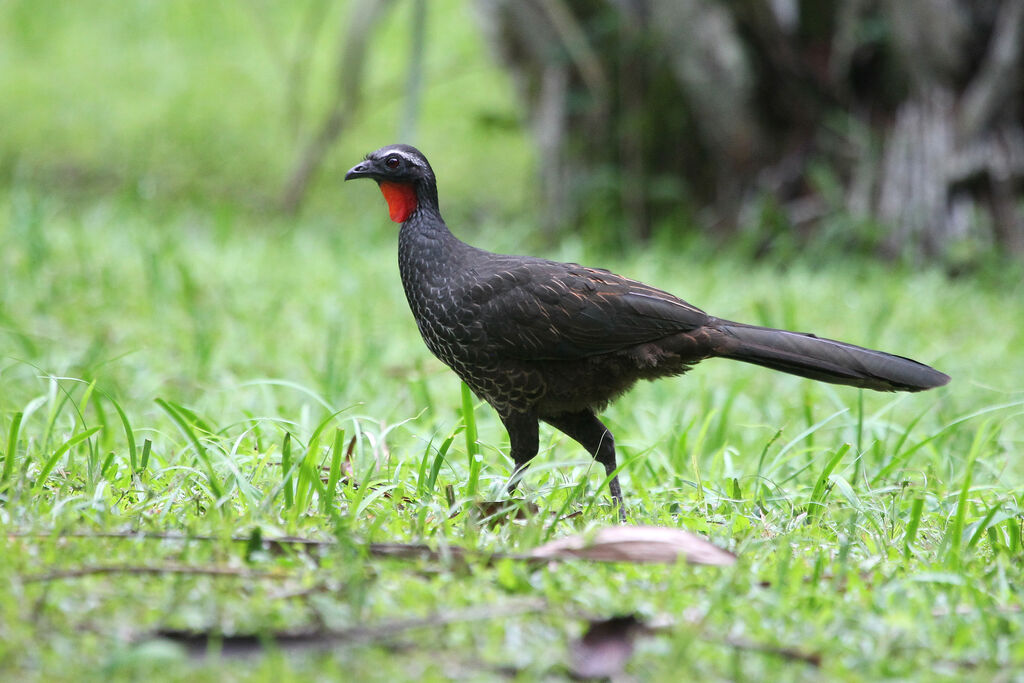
column 545, row 341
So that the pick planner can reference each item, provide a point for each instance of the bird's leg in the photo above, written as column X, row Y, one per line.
column 591, row 433
column 522, row 435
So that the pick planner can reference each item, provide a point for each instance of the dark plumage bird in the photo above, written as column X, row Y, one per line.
column 542, row 340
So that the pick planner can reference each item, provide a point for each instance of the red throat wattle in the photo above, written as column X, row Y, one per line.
column 401, row 198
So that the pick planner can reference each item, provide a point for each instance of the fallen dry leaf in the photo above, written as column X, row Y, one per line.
column 602, row 652
column 636, row 544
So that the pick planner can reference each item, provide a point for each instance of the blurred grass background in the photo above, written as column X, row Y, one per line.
column 197, row 100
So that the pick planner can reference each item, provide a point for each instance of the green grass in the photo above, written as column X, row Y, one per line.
column 187, row 378
column 265, row 380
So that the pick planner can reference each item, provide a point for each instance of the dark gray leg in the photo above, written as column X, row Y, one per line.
column 522, row 435
column 591, row 433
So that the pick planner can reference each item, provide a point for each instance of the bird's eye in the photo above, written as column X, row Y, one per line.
column 392, row 162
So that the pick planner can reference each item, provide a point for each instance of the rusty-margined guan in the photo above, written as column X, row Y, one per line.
column 542, row 340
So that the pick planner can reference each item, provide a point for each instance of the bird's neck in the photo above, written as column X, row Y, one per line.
column 426, row 234
column 428, row 253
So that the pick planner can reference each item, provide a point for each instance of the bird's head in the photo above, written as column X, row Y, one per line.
column 404, row 176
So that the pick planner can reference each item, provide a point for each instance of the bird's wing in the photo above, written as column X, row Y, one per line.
column 537, row 309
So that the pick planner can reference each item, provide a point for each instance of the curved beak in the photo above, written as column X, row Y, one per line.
column 363, row 169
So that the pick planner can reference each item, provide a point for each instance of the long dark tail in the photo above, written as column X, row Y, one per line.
column 824, row 359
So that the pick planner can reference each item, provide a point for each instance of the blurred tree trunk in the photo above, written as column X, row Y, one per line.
column 910, row 112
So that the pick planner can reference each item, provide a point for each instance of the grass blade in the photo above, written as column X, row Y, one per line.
column 308, row 479
column 186, row 428
column 12, row 446
column 286, row 471
column 954, row 535
column 128, row 432
column 985, row 523
column 916, row 508
column 1015, row 533
column 147, row 447
column 575, row 495
column 472, row 447
column 860, row 435
column 421, row 477
column 439, row 459
column 334, row 474
column 817, row 503
column 53, row 459
column 698, row 444
column 764, row 453
column 800, row 437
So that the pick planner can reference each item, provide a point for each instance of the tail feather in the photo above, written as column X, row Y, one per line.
column 825, row 359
